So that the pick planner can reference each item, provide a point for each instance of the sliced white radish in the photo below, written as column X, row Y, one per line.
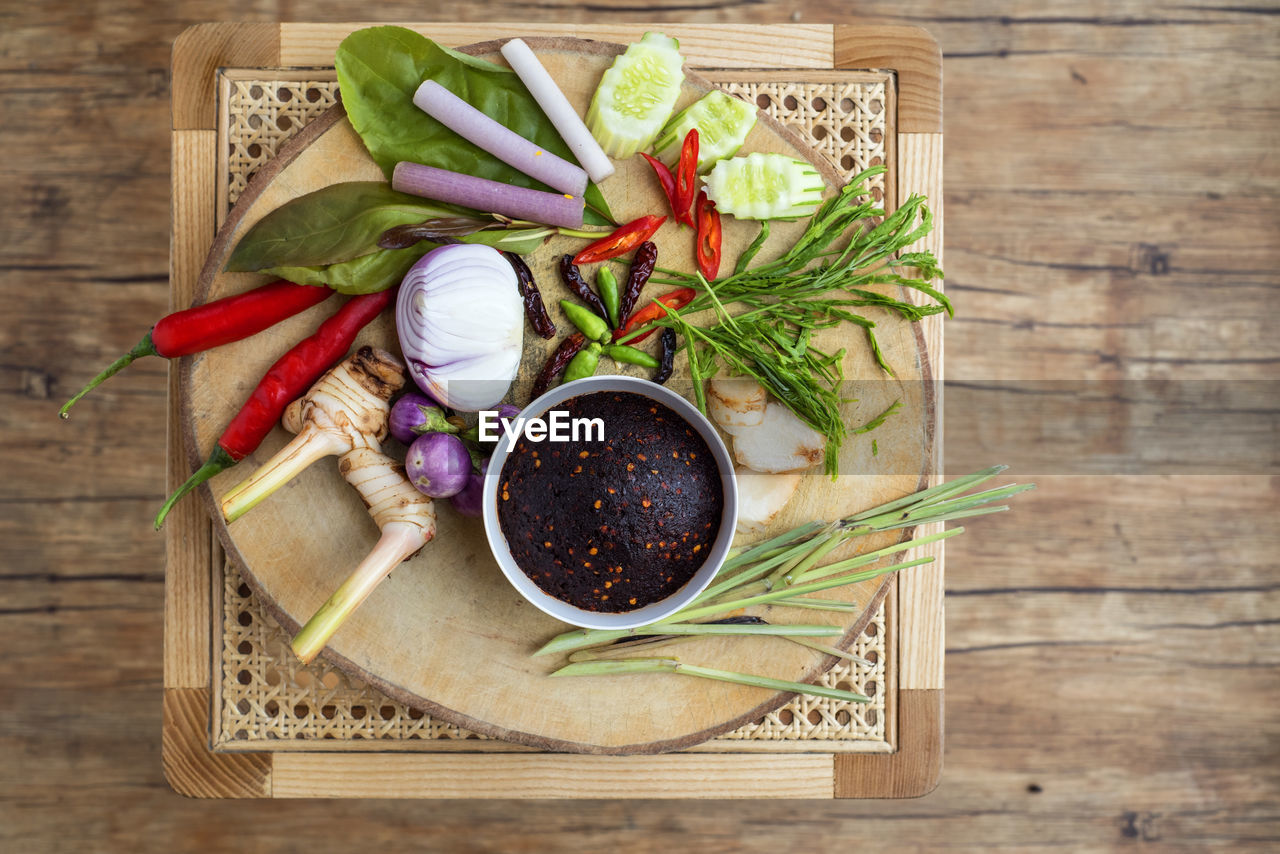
column 761, row 497
column 780, row 442
column 735, row 402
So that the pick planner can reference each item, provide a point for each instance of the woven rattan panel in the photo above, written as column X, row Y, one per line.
column 265, row 695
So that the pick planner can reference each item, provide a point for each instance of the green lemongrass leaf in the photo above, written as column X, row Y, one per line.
column 831, row 650
column 878, row 420
column 820, row 604
column 933, row 493
column 803, row 574
column 671, row 665
column 594, row 637
column 380, row 68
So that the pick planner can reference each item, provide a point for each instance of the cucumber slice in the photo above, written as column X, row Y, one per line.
column 723, row 123
column 765, row 186
column 636, row 95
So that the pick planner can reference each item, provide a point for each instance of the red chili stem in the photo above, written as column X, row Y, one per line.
column 286, row 380
column 213, row 324
column 620, row 242
column 686, row 176
column 707, row 247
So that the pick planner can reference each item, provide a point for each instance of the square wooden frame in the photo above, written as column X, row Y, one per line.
column 916, row 609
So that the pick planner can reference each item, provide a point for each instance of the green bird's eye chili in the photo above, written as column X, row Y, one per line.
column 285, row 381
column 573, row 280
column 590, row 324
column 584, row 364
column 607, row 284
column 629, row 355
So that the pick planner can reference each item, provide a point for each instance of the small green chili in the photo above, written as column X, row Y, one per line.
column 592, row 325
column 607, row 284
column 584, row 364
column 630, row 355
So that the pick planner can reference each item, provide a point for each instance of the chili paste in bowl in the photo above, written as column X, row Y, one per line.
column 622, row 522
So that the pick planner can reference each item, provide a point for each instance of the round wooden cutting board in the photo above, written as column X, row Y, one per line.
column 445, row 632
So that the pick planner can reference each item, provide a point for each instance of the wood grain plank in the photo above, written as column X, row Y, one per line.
column 913, row 54
column 187, row 542
column 189, row 766
column 198, row 53
column 712, row 45
column 921, row 611
column 915, row 768
column 551, row 776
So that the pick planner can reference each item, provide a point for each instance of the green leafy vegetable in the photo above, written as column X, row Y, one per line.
column 342, row 222
column 364, row 275
column 812, row 286
column 379, row 69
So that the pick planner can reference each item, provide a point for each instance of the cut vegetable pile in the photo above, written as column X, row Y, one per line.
column 484, row 164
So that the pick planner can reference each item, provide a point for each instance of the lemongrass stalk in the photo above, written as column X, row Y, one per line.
column 791, row 569
column 786, row 558
column 595, row 637
column 799, row 576
column 768, row 548
column 407, row 520
column 821, row 604
column 831, row 650
column 924, row 496
column 346, row 409
column 584, row 638
column 671, row 665
column 796, row 590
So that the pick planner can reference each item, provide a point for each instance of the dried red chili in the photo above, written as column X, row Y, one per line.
column 707, row 248
column 213, row 324
column 676, row 299
column 558, row 361
column 637, row 277
column 668, row 182
column 573, row 280
column 667, row 361
column 686, row 176
column 534, row 309
column 286, row 380
column 622, row 241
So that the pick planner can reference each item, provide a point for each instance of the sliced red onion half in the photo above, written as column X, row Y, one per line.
column 461, row 325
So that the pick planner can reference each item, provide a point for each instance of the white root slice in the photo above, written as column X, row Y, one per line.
column 407, row 519
column 761, row 498
column 735, row 402
column 347, row 408
column 781, row 442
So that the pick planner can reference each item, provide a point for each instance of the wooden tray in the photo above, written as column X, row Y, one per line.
column 237, row 45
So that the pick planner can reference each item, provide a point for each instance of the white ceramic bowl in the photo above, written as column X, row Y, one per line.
column 654, row 611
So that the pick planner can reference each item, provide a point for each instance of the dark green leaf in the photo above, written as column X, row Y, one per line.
column 364, row 275
column 380, row 68
column 336, row 223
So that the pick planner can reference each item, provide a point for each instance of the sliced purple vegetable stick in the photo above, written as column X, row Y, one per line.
column 490, row 196
column 499, row 140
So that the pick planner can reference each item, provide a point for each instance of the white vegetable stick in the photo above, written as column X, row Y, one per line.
column 558, row 109
column 499, row 140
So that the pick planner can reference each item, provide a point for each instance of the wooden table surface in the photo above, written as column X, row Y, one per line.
column 1113, row 666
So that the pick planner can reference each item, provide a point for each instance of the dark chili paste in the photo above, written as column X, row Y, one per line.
column 616, row 524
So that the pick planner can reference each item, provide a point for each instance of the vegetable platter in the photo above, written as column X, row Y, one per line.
column 444, row 633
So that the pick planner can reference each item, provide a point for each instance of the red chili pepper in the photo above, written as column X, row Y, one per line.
column 213, row 324
column 708, row 241
column 668, row 182
column 687, row 177
column 620, row 242
column 676, row 299
column 286, row 380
